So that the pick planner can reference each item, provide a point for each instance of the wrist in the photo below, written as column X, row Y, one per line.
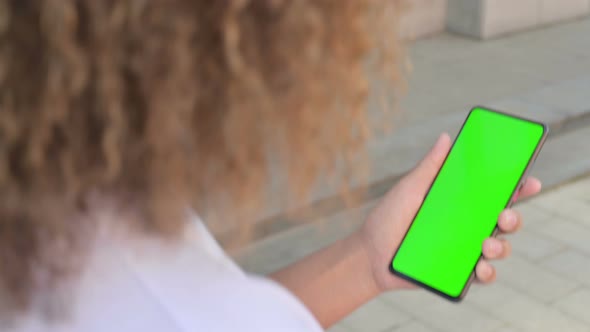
column 364, row 263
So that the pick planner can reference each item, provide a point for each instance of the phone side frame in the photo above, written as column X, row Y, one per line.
column 508, row 204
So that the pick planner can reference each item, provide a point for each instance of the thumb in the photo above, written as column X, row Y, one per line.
column 422, row 176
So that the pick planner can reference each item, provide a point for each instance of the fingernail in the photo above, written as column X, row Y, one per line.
column 438, row 145
column 494, row 247
column 486, row 271
column 511, row 219
column 440, row 139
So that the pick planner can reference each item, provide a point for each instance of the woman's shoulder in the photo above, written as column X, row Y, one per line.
column 191, row 286
column 202, row 286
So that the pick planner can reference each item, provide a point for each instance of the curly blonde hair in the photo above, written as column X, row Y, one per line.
column 167, row 104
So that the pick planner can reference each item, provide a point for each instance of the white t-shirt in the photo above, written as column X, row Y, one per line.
column 191, row 288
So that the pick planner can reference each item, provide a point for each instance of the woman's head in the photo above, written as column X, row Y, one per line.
column 167, row 104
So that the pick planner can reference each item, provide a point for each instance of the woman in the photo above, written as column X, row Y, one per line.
column 120, row 118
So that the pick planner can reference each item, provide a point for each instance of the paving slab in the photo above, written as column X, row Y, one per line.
column 375, row 316
column 534, row 247
column 413, row 326
column 447, row 316
column 523, row 312
column 567, row 232
column 576, row 304
column 539, row 283
column 572, row 264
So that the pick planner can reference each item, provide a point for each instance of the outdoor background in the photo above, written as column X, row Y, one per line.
column 528, row 57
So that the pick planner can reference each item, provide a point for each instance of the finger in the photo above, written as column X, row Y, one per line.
column 423, row 175
column 510, row 221
column 496, row 248
column 485, row 272
column 531, row 186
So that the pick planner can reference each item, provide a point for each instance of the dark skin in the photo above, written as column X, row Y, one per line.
column 337, row 280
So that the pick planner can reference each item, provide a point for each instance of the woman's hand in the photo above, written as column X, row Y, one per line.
column 386, row 225
column 338, row 279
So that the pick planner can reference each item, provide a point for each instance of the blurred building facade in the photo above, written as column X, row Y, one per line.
column 484, row 19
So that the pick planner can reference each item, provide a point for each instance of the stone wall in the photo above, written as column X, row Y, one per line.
column 423, row 18
column 491, row 18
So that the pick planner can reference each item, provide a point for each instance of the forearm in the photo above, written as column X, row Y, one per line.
column 332, row 282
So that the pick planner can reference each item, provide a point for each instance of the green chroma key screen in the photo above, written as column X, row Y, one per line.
column 474, row 185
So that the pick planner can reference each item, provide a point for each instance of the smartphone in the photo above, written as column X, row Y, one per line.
column 479, row 178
